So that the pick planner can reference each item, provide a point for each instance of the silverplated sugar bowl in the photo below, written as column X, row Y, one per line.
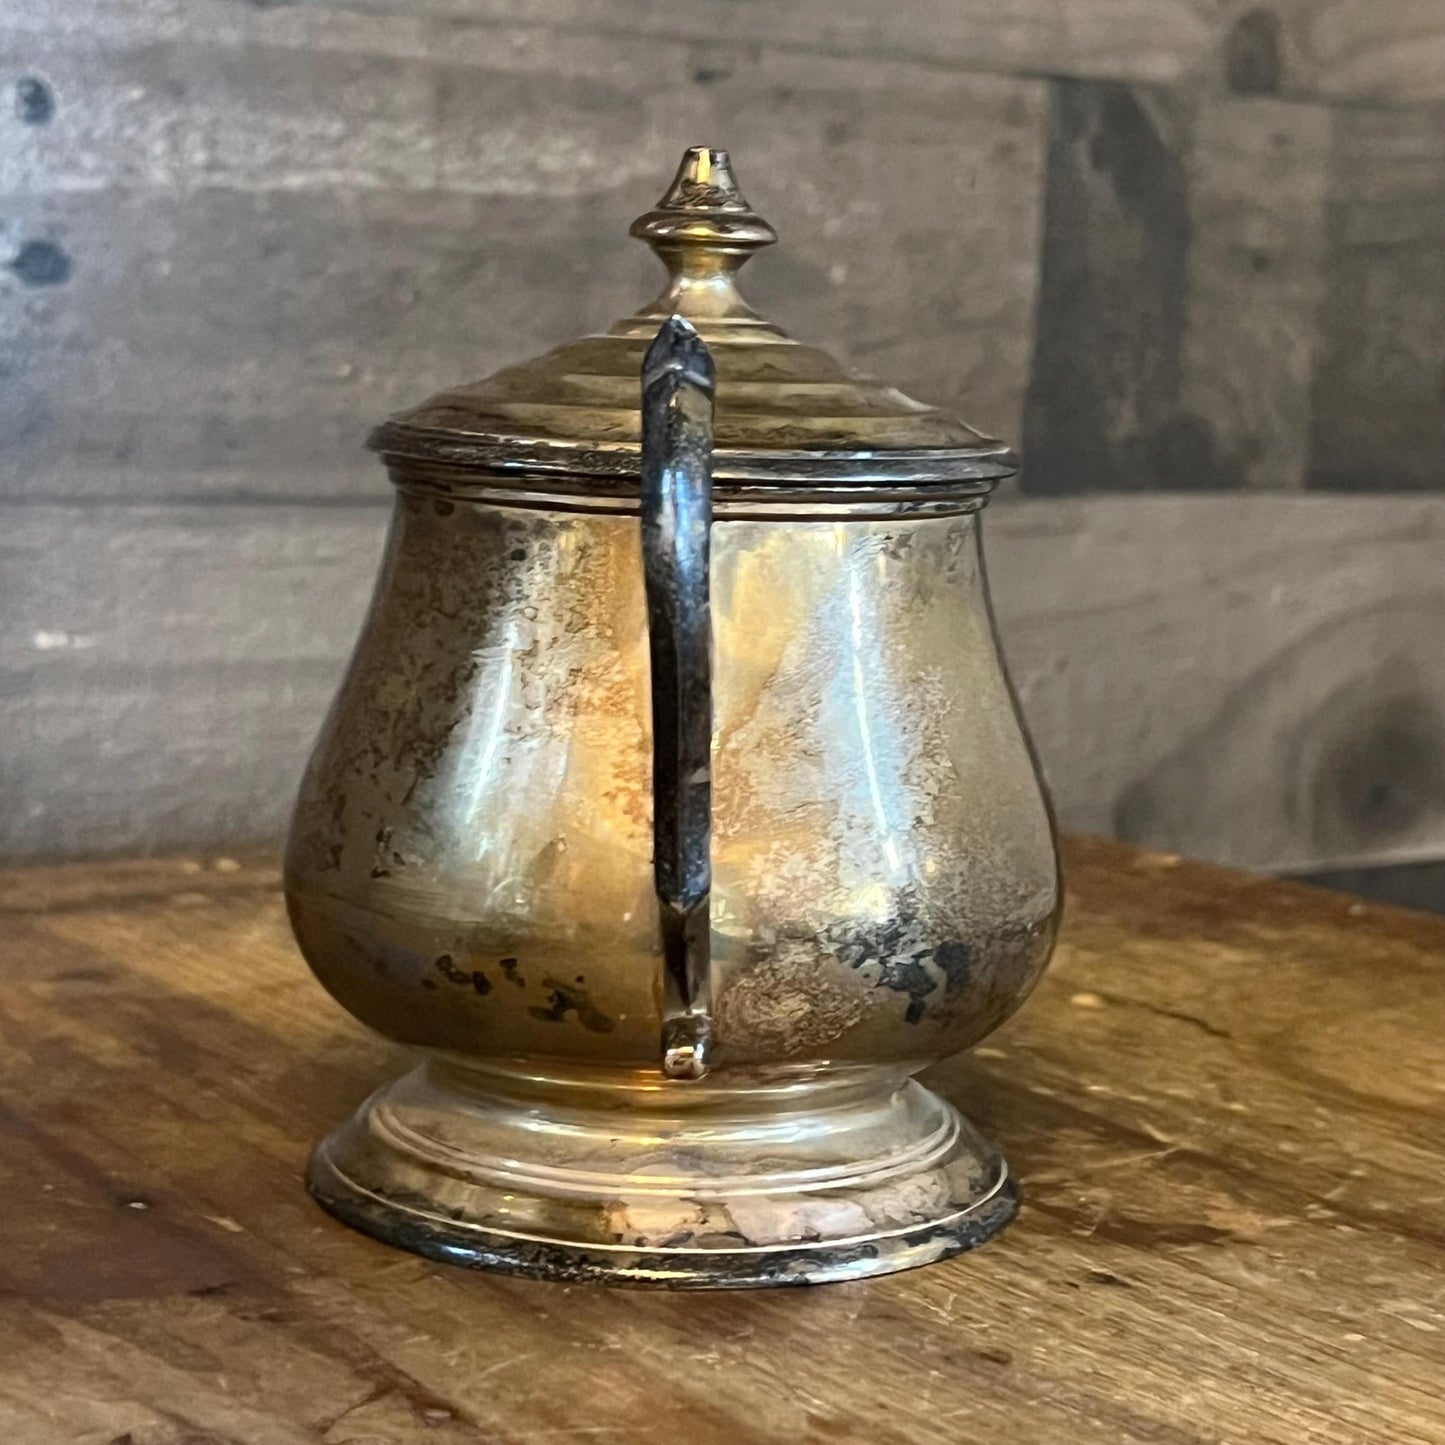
column 675, row 808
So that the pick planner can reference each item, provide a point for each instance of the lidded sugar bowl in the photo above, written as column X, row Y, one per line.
column 675, row 808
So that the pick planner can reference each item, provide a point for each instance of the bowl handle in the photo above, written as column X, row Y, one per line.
column 677, row 428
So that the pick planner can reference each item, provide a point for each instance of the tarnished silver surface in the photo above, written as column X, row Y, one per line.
column 471, row 865
column 471, row 872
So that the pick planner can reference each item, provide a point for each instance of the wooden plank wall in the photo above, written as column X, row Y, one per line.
column 1192, row 252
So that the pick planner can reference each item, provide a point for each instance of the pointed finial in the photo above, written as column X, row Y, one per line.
column 704, row 208
column 703, row 230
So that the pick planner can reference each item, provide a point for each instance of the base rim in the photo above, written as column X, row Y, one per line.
column 841, row 1187
column 420, row 1232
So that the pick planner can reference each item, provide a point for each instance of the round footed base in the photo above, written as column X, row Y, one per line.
column 683, row 1187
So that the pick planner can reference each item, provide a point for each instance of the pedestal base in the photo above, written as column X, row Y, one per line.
column 683, row 1186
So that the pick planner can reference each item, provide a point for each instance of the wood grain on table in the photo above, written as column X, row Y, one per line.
column 1226, row 1103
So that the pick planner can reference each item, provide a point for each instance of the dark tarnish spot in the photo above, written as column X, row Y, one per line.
column 453, row 973
column 709, row 74
column 1252, row 63
column 387, row 858
column 509, row 972
column 324, row 856
column 908, row 975
column 899, row 967
column 906, row 966
column 34, row 101
column 41, row 263
column 956, row 961
column 567, row 998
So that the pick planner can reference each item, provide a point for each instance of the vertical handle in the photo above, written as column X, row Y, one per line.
column 677, row 425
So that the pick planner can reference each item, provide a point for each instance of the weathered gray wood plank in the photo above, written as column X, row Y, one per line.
column 1251, row 677
column 218, row 302
column 1238, row 294
column 1154, row 40
column 1356, row 50
column 111, row 589
column 1103, row 402
column 163, row 670
column 1255, row 282
column 1379, row 388
column 1352, row 50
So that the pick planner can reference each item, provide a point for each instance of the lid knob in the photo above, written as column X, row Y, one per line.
column 703, row 231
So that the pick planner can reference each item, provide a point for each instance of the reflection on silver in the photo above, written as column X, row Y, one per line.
column 483, row 793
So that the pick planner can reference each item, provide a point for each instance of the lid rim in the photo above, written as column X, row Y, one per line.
column 484, row 453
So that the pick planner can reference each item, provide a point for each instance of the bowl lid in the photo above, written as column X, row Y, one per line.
column 788, row 415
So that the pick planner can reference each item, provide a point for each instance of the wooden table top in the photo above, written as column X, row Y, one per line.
column 1226, row 1104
